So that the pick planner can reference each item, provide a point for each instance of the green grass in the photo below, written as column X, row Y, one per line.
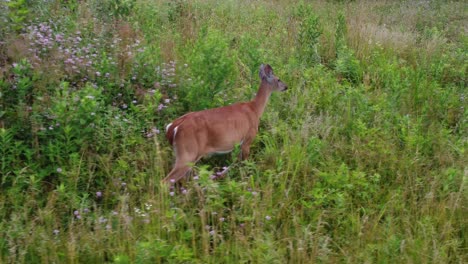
column 363, row 160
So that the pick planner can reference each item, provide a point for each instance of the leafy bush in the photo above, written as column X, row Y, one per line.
column 119, row 9
column 346, row 64
column 308, row 35
column 17, row 13
column 213, row 67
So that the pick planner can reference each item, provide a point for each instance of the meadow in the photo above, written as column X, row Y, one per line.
column 362, row 160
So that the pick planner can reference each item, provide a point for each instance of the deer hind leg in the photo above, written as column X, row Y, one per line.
column 178, row 172
column 181, row 167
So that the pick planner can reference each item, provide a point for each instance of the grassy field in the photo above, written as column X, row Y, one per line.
column 362, row 160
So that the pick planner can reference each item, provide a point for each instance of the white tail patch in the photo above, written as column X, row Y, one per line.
column 175, row 133
column 168, row 126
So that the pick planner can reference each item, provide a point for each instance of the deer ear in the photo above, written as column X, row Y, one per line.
column 266, row 72
column 261, row 72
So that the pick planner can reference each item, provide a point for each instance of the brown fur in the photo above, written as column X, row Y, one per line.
column 219, row 129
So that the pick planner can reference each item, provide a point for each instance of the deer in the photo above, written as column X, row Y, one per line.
column 218, row 130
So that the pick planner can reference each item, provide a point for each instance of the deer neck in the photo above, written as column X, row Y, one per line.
column 261, row 99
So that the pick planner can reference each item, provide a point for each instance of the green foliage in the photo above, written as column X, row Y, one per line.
column 362, row 160
column 120, row 9
column 340, row 33
column 308, row 35
column 346, row 64
column 17, row 13
column 343, row 186
column 213, row 67
column 250, row 54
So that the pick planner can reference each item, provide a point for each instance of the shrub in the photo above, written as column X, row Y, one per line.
column 346, row 64
column 213, row 68
column 308, row 35
column 17, row 13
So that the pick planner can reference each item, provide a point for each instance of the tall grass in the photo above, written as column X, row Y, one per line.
column 363, row 160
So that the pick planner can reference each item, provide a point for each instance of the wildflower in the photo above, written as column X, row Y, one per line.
column 254, row 193
column 161, row 107
column 76, row 212
column 172, row 181
column 59, row 170
column 171, row 193
column 108, row 227
column 98, row 194
column 98, row 74
column 86, row 210
column 212, row 233
column 114, row 213
column 196, row 177
column 56, row 232
column 222, row 219
column 268, row 218
column 184, row 191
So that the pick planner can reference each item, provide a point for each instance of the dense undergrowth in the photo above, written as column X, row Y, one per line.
column 363, row 160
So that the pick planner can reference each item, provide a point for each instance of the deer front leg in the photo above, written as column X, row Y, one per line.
column 245, row 149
